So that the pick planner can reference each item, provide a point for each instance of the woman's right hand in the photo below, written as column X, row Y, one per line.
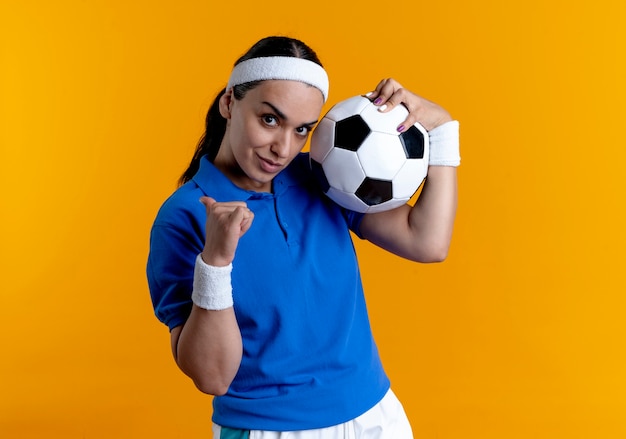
column 226, row 222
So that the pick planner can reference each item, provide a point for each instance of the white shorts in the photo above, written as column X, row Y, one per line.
column 386, row 420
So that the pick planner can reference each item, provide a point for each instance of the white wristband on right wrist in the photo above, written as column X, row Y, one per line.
column 444, row 145
column 212, row 288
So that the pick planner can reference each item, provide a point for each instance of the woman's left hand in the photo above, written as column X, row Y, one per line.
column 389, row 93
column 421, row 232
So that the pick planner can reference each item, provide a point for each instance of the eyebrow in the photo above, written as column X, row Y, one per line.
column 284, row 117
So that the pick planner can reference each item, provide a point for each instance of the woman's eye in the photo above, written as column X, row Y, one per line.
column 303, row 131
column 270, row 120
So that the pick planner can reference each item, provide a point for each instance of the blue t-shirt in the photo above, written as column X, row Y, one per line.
column 309, row 358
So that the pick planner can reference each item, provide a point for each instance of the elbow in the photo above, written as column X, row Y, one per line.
column 432, row 259
column 432, row 254
column 211, row 388
column 440, row 252
column 210, row 381
column 437, row 257
column 215, row 386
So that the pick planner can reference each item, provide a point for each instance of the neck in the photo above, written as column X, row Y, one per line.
column 227, row 164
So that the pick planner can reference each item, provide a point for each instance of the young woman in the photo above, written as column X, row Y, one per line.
column 254, row 271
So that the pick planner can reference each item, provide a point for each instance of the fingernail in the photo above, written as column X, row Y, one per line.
column 367, row 95
column 401, row 128
column 378, row 101
column 382, row 108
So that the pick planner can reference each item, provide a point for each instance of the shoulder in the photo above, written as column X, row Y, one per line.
column 301, row 174
column 299, row 170
column 302, row 162
column 181, row 207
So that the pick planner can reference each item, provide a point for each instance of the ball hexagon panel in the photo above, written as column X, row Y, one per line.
column 323, row 140
column 404, row 183
column 381, row 155
column 386, row 122
column 347, row 200
column 343, row 170
column 347, row 108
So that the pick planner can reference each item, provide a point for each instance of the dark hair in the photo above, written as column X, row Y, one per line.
column 215, row 124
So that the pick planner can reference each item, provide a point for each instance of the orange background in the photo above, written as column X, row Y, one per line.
column 520, row 333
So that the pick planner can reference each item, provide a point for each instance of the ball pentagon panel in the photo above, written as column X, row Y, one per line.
column 415, row 142
column 374, row 191
column 350, row 133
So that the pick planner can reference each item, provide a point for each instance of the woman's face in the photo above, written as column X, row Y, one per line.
column 266, row 130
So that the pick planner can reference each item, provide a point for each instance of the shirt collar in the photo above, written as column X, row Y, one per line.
column 214, row 183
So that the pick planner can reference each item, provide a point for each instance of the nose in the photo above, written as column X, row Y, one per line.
column 281, row 146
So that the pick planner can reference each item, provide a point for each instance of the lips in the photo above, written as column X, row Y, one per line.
column 270, row 165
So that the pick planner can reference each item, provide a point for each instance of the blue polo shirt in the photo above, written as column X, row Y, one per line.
column 309, row 358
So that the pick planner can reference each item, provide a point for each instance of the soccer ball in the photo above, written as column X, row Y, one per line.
column 361, row 161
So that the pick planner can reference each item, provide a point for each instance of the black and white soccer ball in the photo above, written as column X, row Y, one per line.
column 361, row 161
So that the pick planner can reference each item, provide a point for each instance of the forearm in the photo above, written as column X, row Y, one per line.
column 431, row 220
column 209, row 349
column 421, row 233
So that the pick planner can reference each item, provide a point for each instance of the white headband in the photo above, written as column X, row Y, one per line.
column 280, row 67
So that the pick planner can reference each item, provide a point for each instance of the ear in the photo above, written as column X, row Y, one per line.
column 226, row 103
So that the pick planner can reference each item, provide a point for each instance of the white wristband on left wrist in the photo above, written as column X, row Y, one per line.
column 444, row 145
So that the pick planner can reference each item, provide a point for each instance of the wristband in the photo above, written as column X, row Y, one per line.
column 444, row 145
column 212, row 288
